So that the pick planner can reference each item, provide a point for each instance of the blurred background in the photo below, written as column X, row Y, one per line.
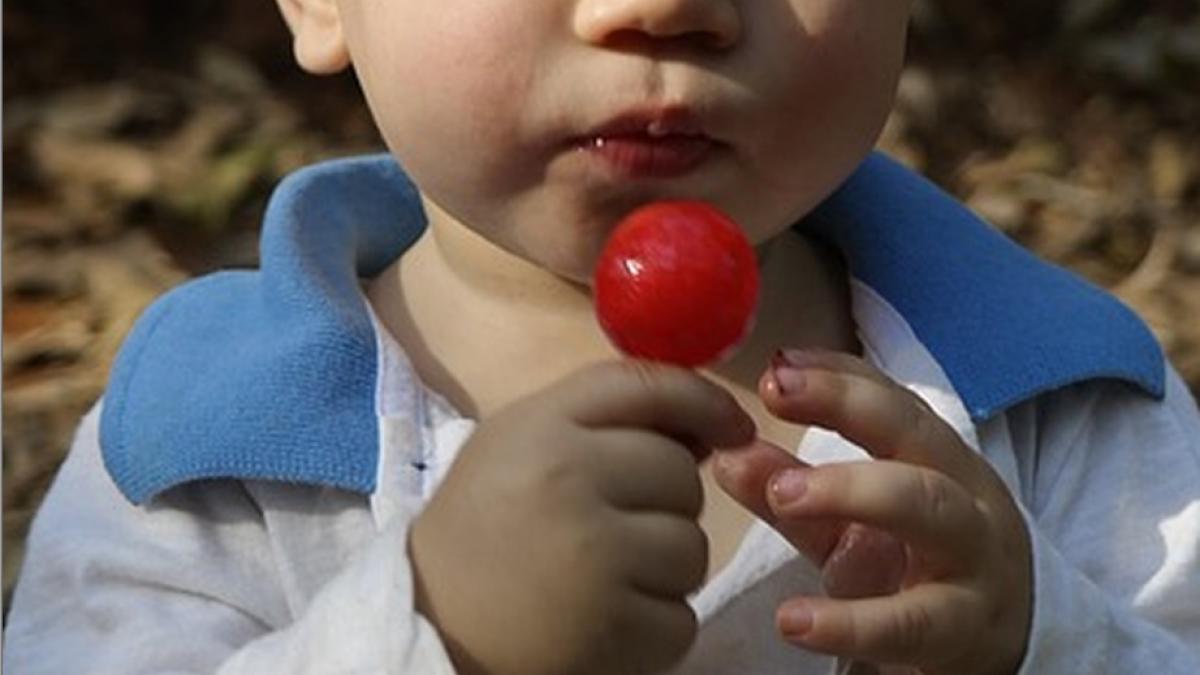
column 142, row 137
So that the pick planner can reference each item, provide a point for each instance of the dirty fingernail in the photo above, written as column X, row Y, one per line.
column 784, row 377
column 790, row 380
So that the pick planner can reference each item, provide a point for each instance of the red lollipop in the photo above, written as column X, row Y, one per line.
column 676, row 282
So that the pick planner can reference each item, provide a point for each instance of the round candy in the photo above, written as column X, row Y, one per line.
column 677, row 282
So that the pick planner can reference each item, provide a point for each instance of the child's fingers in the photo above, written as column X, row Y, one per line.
column 636, row 615
column 669, row 400
column 636, row 470
column 856, row 561
column 845, row 394
column 926, row 624
column 919, row 505
column 746, row 472
column 866, row 562
column 667, row 554
column 827, row 359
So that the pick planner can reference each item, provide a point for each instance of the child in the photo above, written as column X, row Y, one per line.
column 445, row 467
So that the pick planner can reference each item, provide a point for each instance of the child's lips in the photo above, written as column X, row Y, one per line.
column 645, row 156
column 650, row 142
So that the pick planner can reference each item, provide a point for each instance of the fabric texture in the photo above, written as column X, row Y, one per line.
column 1004, row 325
column 208, row 385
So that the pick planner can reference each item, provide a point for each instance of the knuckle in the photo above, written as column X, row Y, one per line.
column 908, row 633
column 645, row 374
column 557, row 479
column 593, row 553
column 600, row 371
column 937, row 496
column 609, row 377
column 651, row 379
column 919, row 422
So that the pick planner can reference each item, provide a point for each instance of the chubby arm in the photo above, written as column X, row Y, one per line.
column 191, row 585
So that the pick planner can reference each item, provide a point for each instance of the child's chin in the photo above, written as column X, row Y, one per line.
column 579, row 278
column 576, row 266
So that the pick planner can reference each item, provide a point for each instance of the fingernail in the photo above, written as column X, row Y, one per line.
column 789, row 380
column 795, row 620
column 789, row 486
column 785, row 378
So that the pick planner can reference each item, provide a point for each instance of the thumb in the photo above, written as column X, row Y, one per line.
column 745, row 474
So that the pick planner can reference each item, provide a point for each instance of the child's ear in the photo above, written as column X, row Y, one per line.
column 318, row 42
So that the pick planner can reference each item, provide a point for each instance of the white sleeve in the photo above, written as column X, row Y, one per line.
column 1115, row 523
column 190, row 585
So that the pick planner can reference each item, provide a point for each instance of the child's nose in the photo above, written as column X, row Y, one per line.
column 711, row 24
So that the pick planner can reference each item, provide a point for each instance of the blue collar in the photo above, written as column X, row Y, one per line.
column 1004, row 325
column 270, row 375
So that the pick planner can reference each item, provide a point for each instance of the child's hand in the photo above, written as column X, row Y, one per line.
column 961, row 592
column 564, row 538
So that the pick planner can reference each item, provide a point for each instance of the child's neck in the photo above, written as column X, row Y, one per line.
column 484, row 327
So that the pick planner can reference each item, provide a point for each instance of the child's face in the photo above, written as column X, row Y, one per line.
column 529, row 120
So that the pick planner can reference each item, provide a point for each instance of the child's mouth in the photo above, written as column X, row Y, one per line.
column 650, row 143
column 645, row 156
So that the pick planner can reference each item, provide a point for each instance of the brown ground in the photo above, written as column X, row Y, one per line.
column 141, row 138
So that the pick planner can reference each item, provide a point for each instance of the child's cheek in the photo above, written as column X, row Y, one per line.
column 831, row 78
column 460, row 56
column 861, row 44
column 453, row 89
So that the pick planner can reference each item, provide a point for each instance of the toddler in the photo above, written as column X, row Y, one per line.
column 404, row 446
